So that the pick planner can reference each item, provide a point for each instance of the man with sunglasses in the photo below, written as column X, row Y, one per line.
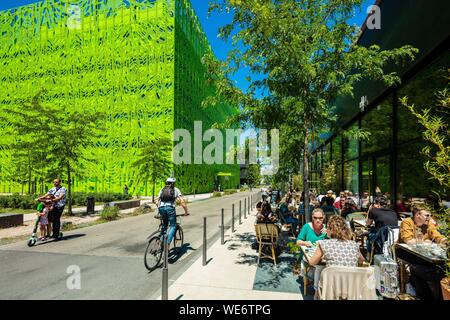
column 425, row 276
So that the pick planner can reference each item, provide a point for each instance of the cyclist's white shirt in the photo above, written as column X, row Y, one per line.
column 177, row 194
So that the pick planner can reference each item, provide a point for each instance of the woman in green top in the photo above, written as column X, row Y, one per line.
column 313, row 231
column 309, row 235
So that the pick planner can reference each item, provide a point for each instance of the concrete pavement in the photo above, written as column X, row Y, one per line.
column 229, row 274
column 109, row 255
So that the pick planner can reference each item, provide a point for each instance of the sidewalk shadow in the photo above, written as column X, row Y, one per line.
column 241, row 240
column 176, row 254
column 278, row 278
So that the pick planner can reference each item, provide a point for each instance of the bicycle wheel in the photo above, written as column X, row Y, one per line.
column 178, row 238
column 153, row 253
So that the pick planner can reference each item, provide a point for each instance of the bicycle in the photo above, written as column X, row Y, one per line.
column 155, row 246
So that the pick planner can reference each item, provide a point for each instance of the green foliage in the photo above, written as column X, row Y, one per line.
column 436, row 123
column 329, row 173
column 17, row 201
column 254, row 174
column 217, row 194
column 110, row 213
column 154, row 162
column 80, row 198
column 230, row 191
column 303, row 54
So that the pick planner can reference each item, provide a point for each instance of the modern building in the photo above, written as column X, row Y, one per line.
column 391, row 161
column 139, row 61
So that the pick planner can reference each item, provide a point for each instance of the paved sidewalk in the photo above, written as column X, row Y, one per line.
column 229, row 274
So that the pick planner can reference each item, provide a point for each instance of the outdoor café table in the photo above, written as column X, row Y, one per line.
column 308, row 252
column 423, row 251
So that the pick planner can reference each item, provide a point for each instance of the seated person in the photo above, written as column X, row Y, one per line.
column 349, row 207
column 266, row 215
column 287, row 216
column 418, row 229
column 309, row 235
column 259, row 206
column 383, row 217
column 328, row 207
column 313, row 231
column 425, row 276
column 339, row 250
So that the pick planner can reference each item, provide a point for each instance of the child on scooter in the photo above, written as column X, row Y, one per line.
column 44, row 207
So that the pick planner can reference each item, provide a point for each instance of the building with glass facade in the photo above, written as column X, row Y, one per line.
column 391, row 161
column 139, row 61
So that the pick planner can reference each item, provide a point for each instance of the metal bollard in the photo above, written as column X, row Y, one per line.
column 240, row 216
column 204, row 241
column 245, row 206
column 240, row 206
column 165, row 271
column 222, row 231
column 248, row 208
column 232, row 221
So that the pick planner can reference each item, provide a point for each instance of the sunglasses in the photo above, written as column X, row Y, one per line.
column 318, row 218
column 427, row 215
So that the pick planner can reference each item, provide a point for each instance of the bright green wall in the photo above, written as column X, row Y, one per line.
column 121, row 60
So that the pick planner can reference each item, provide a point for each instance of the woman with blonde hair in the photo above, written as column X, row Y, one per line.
column 340, row 249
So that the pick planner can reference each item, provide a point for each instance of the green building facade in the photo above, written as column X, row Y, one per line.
column 138, row 61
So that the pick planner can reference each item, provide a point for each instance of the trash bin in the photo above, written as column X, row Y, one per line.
column 90, row 205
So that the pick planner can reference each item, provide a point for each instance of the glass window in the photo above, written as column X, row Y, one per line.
column 421, row 92
column 379, row 123
column 351, row 146
column 413, row 180
column 383, row 176
column 351, row 176
column 337, row 150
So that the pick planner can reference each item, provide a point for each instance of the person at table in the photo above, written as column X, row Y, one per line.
column 338, row 249
column 382, row 216
column 419, row 229
column 266, row 215
column 313, row 231
column 425, row 276
column 328, row 207
column 349, row 207
column 308, row 236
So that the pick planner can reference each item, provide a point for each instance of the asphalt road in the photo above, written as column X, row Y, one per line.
column 109, row 257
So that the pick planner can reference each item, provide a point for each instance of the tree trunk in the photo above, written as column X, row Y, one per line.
column 153, row 197
column 306, row 177
column 29, row 172
column 69, row 190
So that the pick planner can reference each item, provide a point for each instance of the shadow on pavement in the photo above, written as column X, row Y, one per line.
column 176, row 254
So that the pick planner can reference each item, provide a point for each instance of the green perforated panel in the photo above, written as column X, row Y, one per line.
column 135, row 60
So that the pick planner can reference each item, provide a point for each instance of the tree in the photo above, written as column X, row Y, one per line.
column 25, row 138
column 253, row 174
column 52, row 137
column 154, row 162
column 302, row 55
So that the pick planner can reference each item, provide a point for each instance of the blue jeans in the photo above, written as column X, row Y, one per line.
column 169, row 217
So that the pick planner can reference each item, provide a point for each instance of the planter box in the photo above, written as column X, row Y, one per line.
column 127, row 204
column 11, row 220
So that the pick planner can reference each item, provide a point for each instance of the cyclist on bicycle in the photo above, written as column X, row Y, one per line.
column 166, row 202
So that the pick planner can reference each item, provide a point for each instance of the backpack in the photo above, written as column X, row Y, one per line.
column 168, row 194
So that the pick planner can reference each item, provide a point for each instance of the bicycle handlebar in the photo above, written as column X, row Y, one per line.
column 177, row 215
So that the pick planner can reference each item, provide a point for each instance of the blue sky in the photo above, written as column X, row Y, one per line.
column 210, row 26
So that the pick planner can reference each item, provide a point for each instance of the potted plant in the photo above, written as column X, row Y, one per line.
column 295, row 249
column 436, row 133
